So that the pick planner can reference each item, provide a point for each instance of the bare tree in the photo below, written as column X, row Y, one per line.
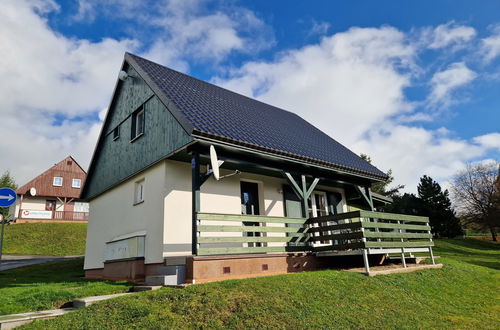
column 476, row 192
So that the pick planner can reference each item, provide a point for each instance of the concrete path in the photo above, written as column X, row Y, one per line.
column 11, row 261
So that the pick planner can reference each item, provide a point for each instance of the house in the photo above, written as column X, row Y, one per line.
column 53, row 196
column 289, row 197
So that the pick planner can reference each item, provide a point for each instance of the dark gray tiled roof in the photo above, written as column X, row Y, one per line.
column 220, row 113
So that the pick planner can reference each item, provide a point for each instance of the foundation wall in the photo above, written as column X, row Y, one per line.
column 133, row 270
column 206, row 269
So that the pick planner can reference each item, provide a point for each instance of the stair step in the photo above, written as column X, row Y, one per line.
column 140, row 288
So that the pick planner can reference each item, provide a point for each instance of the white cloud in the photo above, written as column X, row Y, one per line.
column 491, row 140
column 319, row 28
column 490, row 47
column 48, row 77
column 445, row 82
column 451, row 34
column 351, row 85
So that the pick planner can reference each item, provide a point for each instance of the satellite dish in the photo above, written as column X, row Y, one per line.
column 123, row 75
column 215, row 162
column 33, row 191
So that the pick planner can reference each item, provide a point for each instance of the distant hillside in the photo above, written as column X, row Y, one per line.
column 53, row 239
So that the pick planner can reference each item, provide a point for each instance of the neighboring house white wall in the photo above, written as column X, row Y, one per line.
column 113, row 214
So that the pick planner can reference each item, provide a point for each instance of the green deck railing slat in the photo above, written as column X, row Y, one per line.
column 352, row 225
column 367, row 224
column 249, row 229
column 254, row 239
column 244, row 250
column 356, row 245
column 374, row 234
column 249, row 218
column 389, row 244
column 355, row 235
column 392, row 216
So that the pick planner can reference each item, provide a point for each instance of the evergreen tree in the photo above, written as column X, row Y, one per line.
column 7, row 181
column 436, row 204
column 383, row 188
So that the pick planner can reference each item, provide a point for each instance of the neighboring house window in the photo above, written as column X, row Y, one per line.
column 57, row 181
column 77, row 183
column 50, row 205
column 138, row 123
column 116, row 133
column 139, row 192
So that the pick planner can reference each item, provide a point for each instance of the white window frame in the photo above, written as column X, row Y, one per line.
column 79, row 185
column 139, row 192
column 138, row 124
column 54, row 181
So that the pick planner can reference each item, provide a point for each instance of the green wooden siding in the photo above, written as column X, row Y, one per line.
column 116, row 160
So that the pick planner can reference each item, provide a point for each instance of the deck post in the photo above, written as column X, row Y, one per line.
column 403, row 260
column 432, row 255
column 365, row 259
column 195, row 183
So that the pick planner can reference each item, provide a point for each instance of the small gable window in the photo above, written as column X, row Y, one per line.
column 77, row 183
column 58, row 181
column 138, row 123
column 116, row 133
column 139, row 192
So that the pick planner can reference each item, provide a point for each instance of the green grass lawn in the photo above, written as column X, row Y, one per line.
column 52, row 239
column 464, row 294
column 48, row 286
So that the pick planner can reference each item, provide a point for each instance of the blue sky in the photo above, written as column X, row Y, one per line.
column 416, row 85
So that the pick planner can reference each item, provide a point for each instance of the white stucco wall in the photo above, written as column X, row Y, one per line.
column 114, row 214
column 221, row 196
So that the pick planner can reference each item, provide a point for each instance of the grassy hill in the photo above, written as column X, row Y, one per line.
column 464, row 294
column 53, row 239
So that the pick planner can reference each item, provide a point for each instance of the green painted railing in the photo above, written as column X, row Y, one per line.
column 220, row 234
column 367, row 229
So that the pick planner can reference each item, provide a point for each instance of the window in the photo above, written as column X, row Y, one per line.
column 57, row 181
column 77, row 183
column 139, row 192
column 137, row 123
column 50, row 205
column 116, row 133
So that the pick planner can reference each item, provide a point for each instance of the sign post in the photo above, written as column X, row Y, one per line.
column 7, row 198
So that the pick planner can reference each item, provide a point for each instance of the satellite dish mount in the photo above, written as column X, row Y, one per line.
column 215, row 163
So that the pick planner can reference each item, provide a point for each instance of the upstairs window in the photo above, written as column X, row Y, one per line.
column 137, row 123
column 77, row 183
column 58, row 181
column 139, row 192
column 116, row 133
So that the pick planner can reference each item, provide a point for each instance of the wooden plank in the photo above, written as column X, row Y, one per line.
column 246, row 250
column 371, row 234
column 336, row 217
column 250, row 229
column 248, row 218
column 367, row 224
column 352, row 226
column 351, row 246
column 398, row 244
column 354, row 235
column 256, row 239
column 393, row 216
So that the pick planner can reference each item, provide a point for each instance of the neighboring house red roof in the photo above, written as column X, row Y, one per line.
column 68, row 169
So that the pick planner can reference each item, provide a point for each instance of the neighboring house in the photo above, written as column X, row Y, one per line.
column 158, row 213
column 52, row 196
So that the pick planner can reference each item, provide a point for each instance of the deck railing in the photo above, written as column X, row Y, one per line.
column 240, row 234
column 369, row 230
column 220, row 234
column 71, row 215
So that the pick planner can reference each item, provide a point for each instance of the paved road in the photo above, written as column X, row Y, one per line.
column 11, row 261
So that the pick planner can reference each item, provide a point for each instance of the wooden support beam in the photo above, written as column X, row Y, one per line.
column 195, row 185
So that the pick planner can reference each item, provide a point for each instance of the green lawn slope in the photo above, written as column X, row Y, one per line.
column 48, row 286
column 50, row 239
column 463, row 294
